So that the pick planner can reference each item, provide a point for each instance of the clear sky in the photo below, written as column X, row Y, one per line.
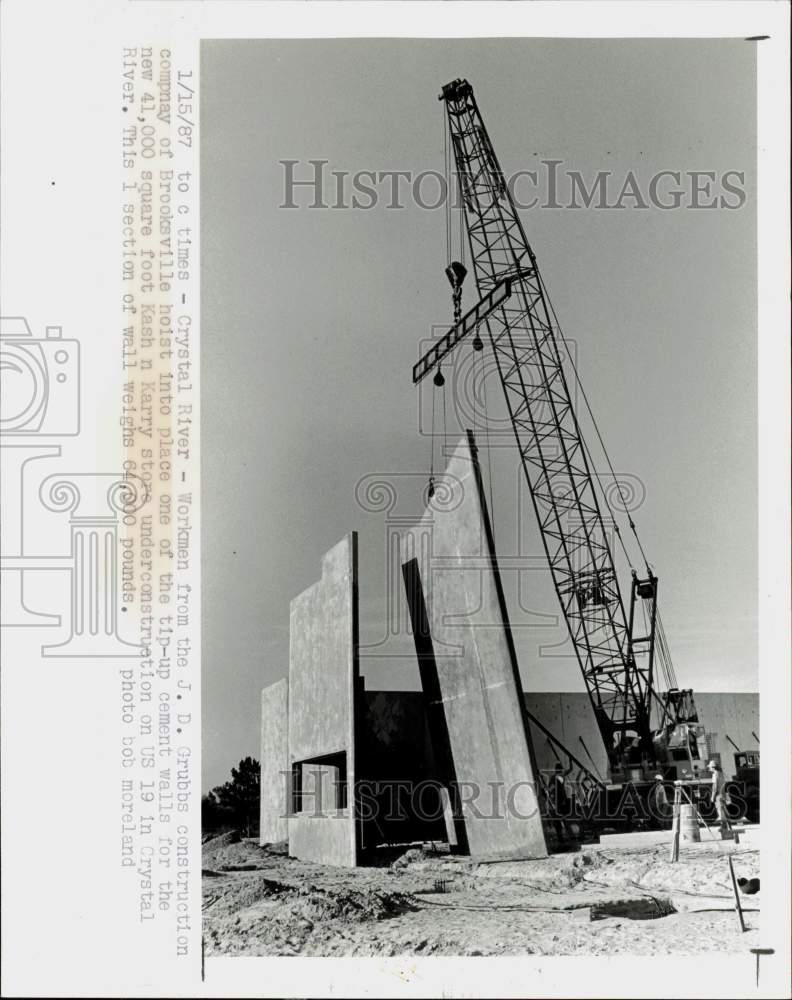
column 312, row 320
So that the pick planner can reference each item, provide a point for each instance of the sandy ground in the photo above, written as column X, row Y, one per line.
column 260, row 902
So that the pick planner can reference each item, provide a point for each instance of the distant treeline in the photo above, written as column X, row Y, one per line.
column 234, row 805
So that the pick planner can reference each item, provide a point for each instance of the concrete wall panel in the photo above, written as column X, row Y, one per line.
column 568, row 716
column 324, row 839
column 473, row 661
column 323, row 679
column 732, row 714
column 274, row 763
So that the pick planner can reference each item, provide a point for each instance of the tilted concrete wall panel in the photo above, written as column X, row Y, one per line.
column 475, row 664
column 274, row 761
column 323, row 672
column 579, row 721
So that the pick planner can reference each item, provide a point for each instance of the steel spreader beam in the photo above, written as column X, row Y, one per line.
column 468, row 324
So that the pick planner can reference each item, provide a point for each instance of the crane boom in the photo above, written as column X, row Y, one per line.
column 552, row 451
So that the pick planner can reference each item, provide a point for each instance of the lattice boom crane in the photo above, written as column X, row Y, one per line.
column 515, row 310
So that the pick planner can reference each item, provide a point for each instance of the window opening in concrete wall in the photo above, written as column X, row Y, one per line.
column 319, row 784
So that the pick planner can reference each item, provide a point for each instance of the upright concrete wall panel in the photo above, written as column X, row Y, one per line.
column 273, row 827
column 323, row 672
column 472, row 658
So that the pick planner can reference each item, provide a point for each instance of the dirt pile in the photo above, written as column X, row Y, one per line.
column 257, row 902
column 577, row 867
column 248, row 912
column 263, row 916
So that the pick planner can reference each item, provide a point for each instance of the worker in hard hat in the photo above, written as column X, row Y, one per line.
column 659, row 807
column 560, row 803
column 719, row 797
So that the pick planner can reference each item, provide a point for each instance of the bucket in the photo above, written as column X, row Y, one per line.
column 688, row 824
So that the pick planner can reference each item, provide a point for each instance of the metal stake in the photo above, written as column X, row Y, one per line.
column 737, row 903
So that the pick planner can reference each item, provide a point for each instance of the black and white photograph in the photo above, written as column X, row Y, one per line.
column 395, row 593
column 480, row 487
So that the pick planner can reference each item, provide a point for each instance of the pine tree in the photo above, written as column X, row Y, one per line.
column 241, row 795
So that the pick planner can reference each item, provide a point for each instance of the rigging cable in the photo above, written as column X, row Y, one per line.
column 487, row 435
column 660, row 657
column 596, row 482
column 438, row 379
column 667, row 651
column 661, row 645
column 446, row 169
column 445, row 429
column 593, row 420
column 461, row 209
column 432, row 448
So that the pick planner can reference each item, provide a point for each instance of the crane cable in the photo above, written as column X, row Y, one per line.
column 431, row 441
column 662, row 649
column 666, row 649
column 484, row 425
column 446, row 169
column 487, row 435
column 631, row 522
column 431, row 490
column 445, row 428
column 605, row 500
column 596, row 479
column 457, row 189
column 452, row 190
column 444, row 450
column 661, row 659
column 662, row 646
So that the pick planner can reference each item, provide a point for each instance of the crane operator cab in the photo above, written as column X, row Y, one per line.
column 680, row 744
column 681, row 751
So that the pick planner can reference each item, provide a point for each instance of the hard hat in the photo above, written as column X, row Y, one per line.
column 658, row 777
column 712, row 764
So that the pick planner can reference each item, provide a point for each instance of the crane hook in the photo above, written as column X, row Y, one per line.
column 455, row 272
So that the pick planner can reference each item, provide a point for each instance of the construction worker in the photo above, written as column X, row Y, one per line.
column 718, row 796
column 561, row 803
column 659, row 806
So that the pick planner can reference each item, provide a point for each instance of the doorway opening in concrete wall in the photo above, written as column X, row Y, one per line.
column 319, row 785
